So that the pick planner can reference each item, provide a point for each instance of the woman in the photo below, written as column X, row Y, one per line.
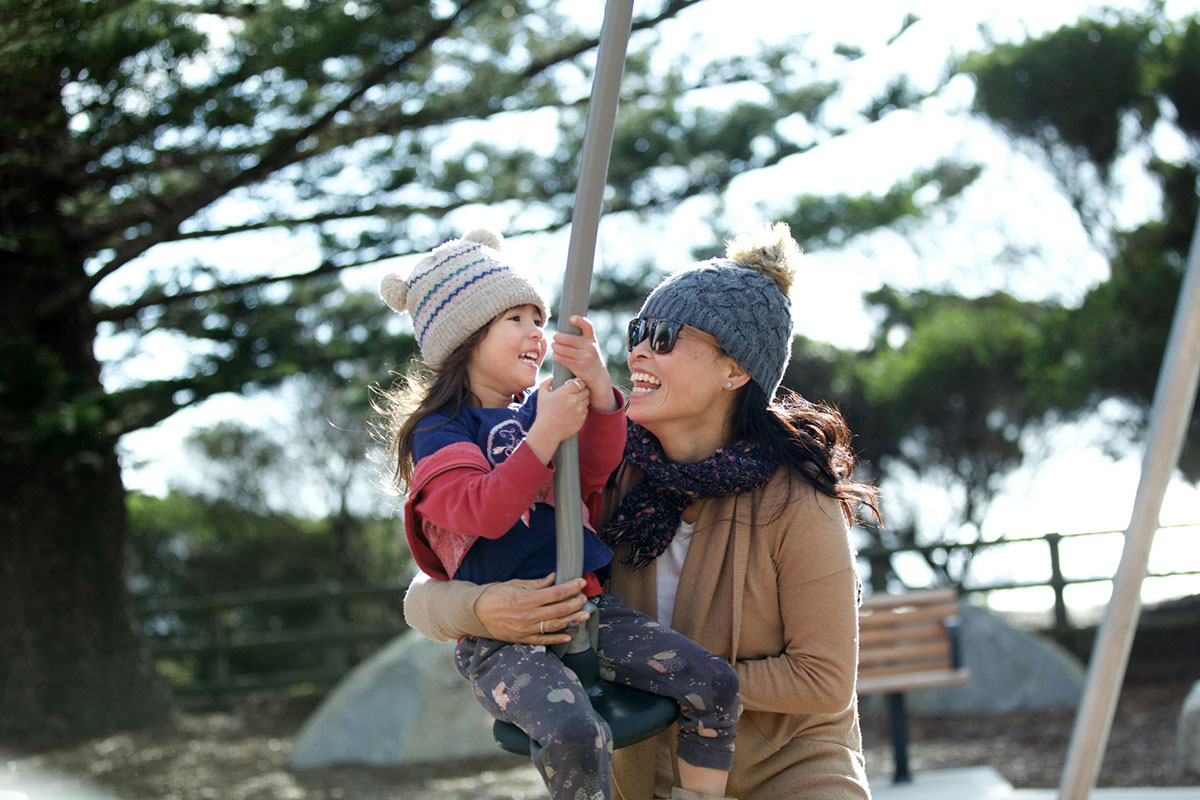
column 737, row 500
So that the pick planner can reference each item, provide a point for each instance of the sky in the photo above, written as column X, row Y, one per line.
column 1014, row 205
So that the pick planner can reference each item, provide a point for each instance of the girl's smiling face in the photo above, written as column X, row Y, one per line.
column 506, row 360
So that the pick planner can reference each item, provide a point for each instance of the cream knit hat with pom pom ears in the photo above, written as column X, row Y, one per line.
column 457, row 289
column 742, row 299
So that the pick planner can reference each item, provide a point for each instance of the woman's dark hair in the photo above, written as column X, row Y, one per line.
column 420, row 392
column 810, row 438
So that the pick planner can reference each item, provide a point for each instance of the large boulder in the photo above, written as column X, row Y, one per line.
column 1188, row 731
column 406, row 704
column 1011, row 670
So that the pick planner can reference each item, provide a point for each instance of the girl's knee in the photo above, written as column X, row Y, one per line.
column 578, row 736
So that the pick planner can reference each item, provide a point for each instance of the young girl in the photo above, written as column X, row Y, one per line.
column 474, row 444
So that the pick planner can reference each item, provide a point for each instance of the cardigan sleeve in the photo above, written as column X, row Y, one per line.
column 818, row 599
column 443, row 610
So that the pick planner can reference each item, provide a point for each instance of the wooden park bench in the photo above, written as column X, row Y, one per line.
column 908, row 641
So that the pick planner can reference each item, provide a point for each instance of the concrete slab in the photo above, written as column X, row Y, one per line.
column 966, row 783
column 1136, row 793
column 985, row 783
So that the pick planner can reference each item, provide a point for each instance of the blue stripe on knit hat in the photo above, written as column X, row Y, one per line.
column 454, row 275
column 460, row 289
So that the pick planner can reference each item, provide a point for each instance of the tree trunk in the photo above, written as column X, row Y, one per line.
column 70, row 662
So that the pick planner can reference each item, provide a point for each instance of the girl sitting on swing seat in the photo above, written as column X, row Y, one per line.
column 473, row 443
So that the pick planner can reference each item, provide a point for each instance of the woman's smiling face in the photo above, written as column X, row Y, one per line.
column 681, row 393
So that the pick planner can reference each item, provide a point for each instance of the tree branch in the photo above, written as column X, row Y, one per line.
column 317, row 219
column 669, row 11
column 121, row 313
column 283, row 152
column 343, row 135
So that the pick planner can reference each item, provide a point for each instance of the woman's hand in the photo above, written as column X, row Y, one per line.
column 581, row 354
column 531, row 611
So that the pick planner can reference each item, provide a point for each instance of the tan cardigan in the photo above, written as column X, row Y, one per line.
column 769, row 582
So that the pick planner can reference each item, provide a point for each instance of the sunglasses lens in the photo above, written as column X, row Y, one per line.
column 637, row 332
column 662, row 335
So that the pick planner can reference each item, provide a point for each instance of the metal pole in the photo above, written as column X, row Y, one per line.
column 577, row 281
column 1170, row 414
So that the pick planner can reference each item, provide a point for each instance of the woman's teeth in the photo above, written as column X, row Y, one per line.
column 644, row 382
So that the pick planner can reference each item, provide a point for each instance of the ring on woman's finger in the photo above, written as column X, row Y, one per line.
column 542, row 627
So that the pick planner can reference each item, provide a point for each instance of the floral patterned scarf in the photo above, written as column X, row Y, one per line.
column 650, row 512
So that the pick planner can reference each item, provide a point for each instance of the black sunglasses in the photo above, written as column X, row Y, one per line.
column 661, row 332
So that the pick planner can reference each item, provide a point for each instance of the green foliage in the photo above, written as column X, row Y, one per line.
column 822, row 221
column 333, row 120
column 187, row 545
column 946, row 389
column 258, row 337
column 1074, row 87
column 61, row 413
column 1119, row 335
column 1073, row 84
column 1179, row 77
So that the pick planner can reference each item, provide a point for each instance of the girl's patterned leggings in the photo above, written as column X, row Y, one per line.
column 570, row 744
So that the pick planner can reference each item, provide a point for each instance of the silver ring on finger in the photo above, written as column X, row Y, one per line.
column 542, row 627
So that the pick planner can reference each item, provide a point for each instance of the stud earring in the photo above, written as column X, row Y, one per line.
column 728, row 384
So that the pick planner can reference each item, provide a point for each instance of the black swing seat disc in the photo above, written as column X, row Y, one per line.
column 631, row 714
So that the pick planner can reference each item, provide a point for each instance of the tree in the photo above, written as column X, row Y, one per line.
column 140, row 138
column 951, row 386
column 1087, row 96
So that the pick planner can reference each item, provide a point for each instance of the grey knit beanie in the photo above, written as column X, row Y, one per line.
column 741, row 299
column 457, row 289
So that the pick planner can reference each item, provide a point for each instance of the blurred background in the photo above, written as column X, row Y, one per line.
column 198, row 199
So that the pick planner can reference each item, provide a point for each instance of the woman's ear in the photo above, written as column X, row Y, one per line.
column 735, row 377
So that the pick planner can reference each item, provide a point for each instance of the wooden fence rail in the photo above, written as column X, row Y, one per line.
column 210, row 633
column 334, row 641
column 1056, row 581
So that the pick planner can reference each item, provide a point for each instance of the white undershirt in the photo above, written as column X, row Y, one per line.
column 667, row 567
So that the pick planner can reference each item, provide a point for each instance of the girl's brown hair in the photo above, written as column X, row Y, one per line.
column 419, row 393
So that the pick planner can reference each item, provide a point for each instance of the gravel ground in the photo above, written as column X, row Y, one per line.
column 240, row 754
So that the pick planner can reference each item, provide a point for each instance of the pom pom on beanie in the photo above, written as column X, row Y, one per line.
column 485, row 237
column 457, row 289
column 741, row 299
column 769, row 249
column 394, row 291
